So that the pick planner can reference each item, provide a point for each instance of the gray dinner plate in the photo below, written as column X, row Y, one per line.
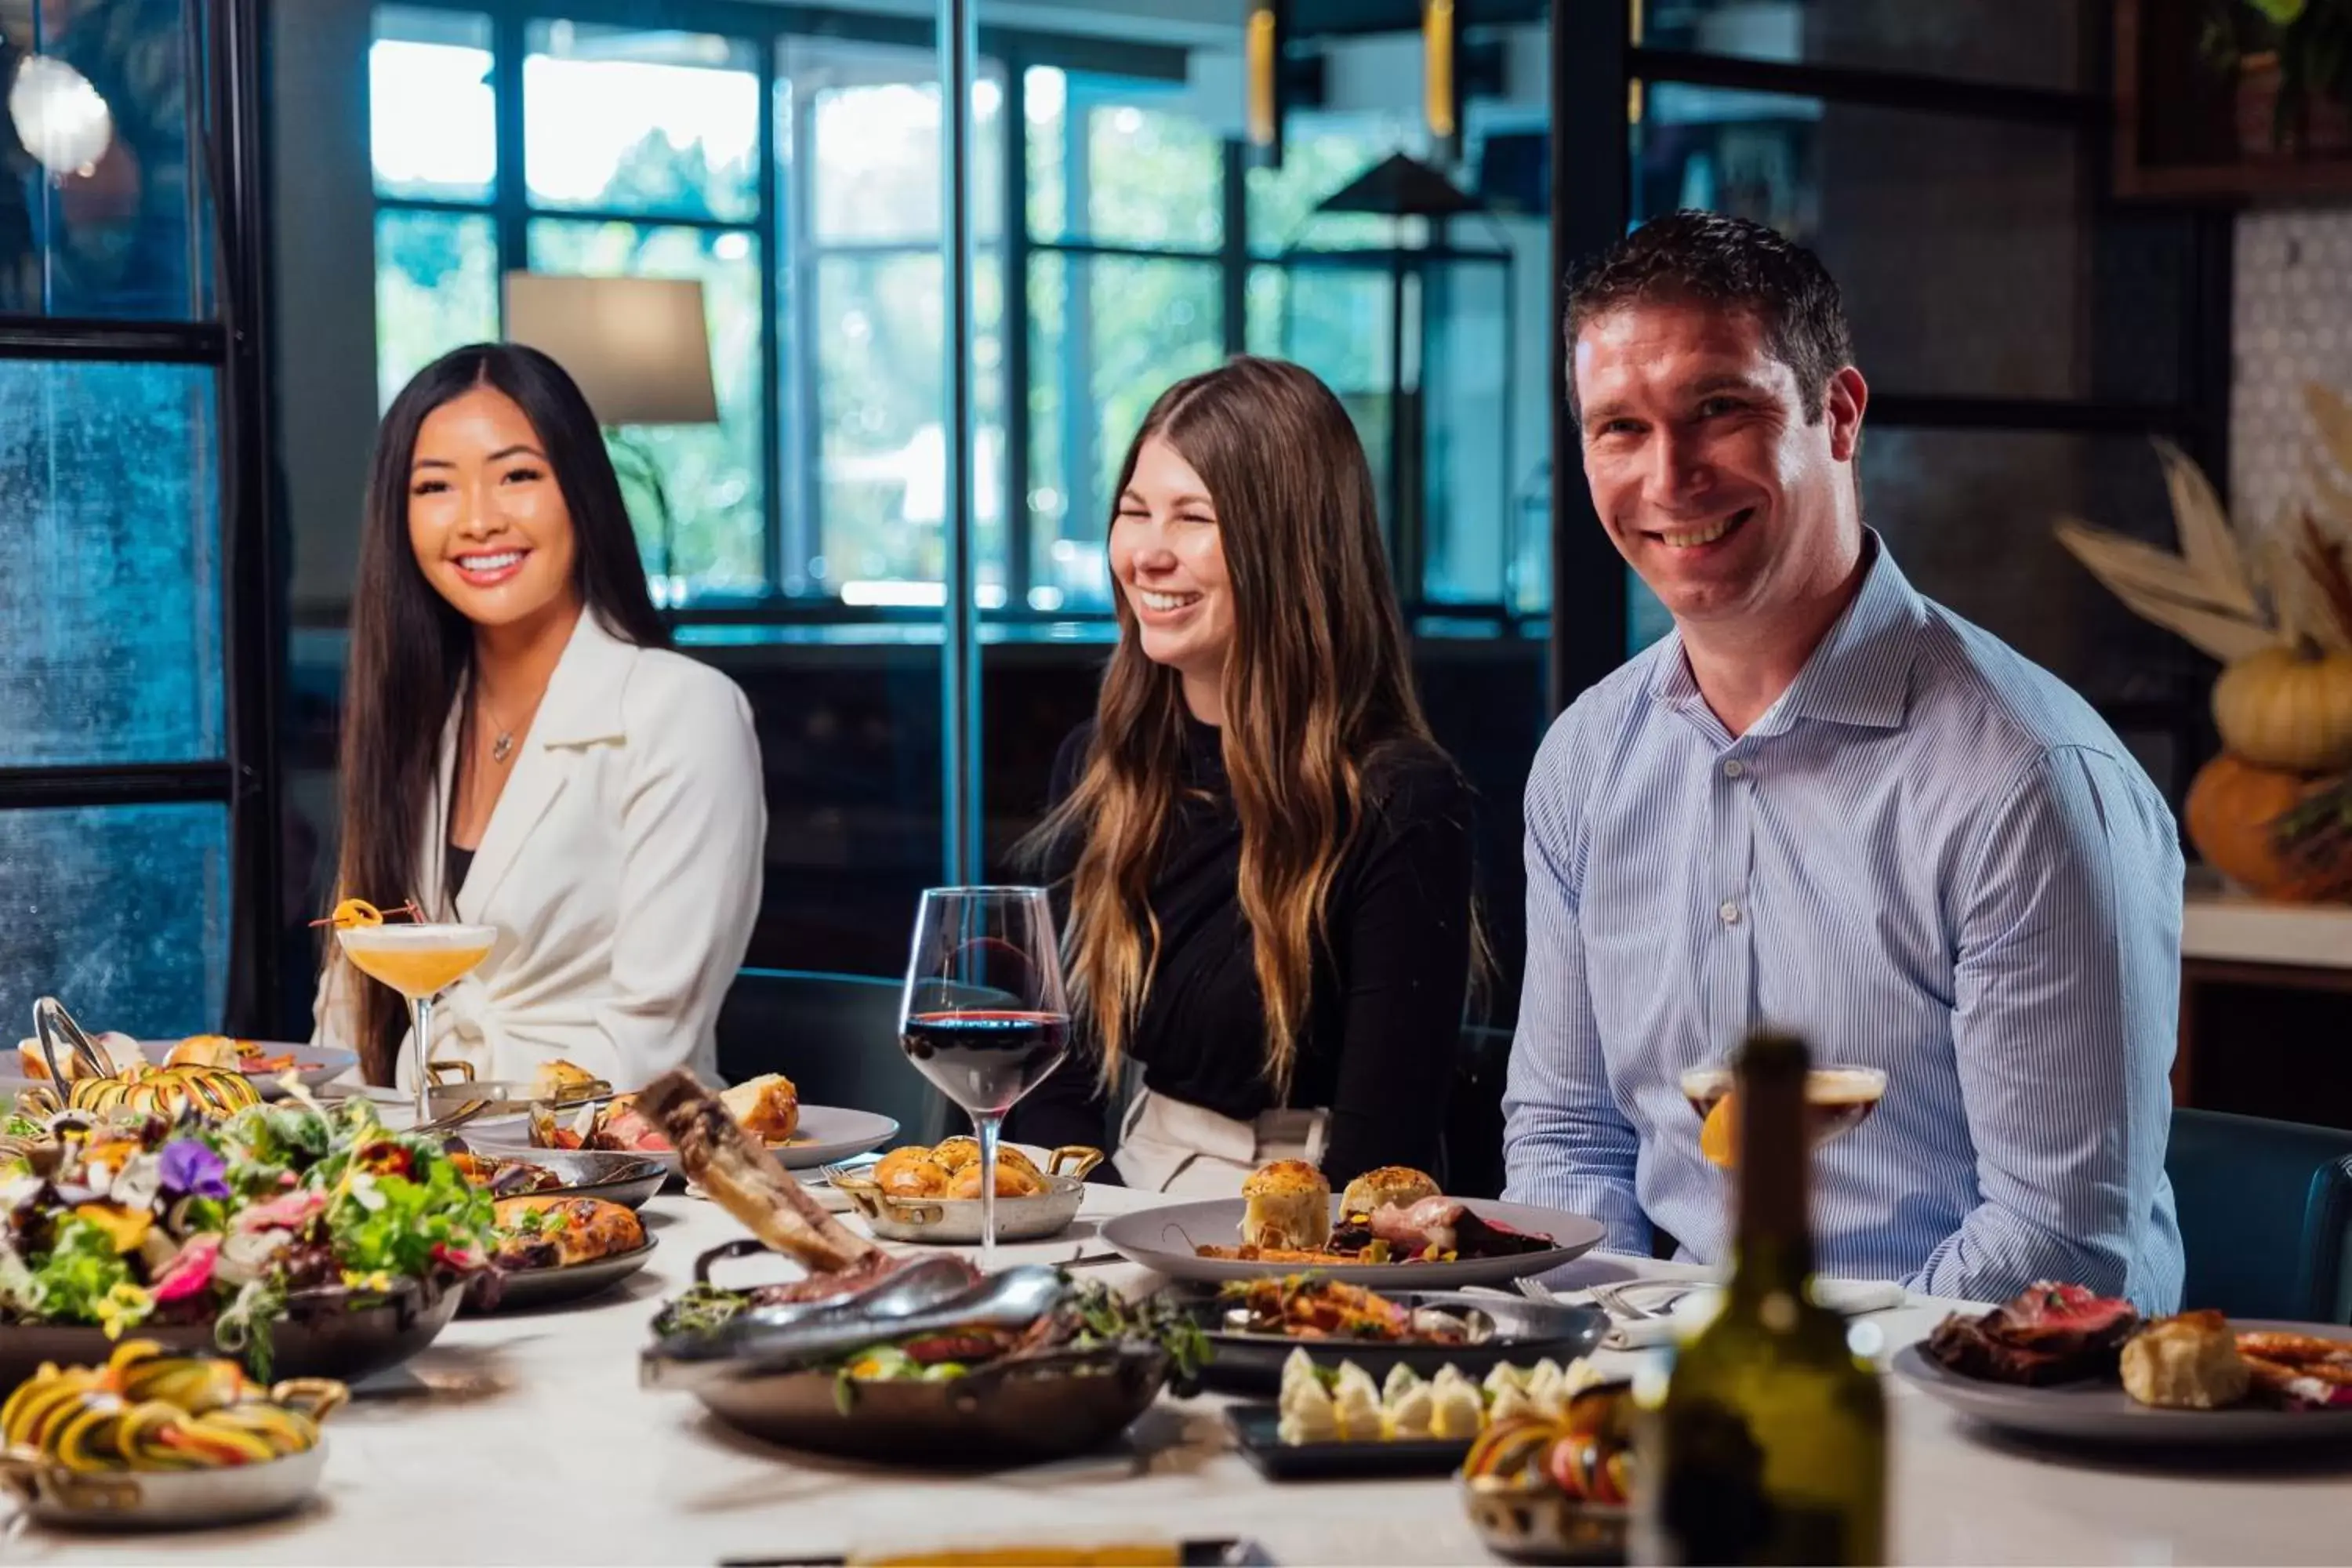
column 607, row 1173
column 2098, row 1411
column 1164, row 1239
column 826, row 1133
column 313, row 1065
column 527, row 1287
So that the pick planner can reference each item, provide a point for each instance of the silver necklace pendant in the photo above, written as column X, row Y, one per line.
column 503, row 747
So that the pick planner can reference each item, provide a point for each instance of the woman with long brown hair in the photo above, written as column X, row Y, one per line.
column 520, row 749
column 1265, row 860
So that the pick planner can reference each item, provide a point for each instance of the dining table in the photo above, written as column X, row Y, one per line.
column 525, row 1437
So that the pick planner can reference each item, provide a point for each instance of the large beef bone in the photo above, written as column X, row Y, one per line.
column 745, row 1180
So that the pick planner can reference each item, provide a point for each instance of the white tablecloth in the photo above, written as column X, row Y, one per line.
column 526, row 1439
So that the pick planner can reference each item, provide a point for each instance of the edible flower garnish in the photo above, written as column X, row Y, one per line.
column 123, row 1227
column 123, row 1306
column 191, row 1167
column 190, row 1270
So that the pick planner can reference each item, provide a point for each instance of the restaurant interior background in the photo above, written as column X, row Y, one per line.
column 901, row 562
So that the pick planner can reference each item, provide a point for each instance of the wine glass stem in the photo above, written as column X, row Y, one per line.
column 986, row 1123
column 423, row 1060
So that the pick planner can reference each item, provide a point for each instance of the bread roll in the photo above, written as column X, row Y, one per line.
column 2188, row 1362
column 120, row 1049
column 766, row 1107
column 1399, row 1184
column 911, row 1174
column 204, row 1051
column 555, row 1079
column 1011, row 1181
column 954, row 1153
column 1287, row 1204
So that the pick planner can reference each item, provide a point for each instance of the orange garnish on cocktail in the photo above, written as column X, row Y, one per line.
column 360, row 912
column 1719, row 1140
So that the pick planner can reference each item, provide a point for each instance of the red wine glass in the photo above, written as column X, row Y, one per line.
column 984, row 1015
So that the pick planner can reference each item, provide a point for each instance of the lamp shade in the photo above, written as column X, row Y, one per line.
column 637, row 346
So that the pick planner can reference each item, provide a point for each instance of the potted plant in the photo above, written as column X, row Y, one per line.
column 2293, row 62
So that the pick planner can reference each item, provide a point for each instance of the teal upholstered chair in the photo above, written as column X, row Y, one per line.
column 2266, row 1215
column 835, row 1036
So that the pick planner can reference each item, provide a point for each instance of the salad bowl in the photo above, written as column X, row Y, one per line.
column 333, row 1333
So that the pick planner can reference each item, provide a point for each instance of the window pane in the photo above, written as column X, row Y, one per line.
column 1317, row 161
column 657, row 122
column 109, row 610
column 1109, row 335
column 710, row 475
column 881, row 437
column 1961, row 246
column 2032, row 43
column 436, row 288
column 119, row 913
column 1134, row 172
column 432, row 109
column 100, row 214
column 869, row 144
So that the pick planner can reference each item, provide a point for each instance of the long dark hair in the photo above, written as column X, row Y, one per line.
column 411, row 648
column 1318, row 685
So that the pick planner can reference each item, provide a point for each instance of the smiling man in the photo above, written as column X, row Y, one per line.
column 1828, row 805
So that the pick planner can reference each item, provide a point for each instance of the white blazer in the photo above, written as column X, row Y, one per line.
column 621, row 868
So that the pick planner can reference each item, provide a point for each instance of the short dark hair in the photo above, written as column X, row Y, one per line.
column 1732, row 264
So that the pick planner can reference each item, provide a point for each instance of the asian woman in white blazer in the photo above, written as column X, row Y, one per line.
column 522, row 750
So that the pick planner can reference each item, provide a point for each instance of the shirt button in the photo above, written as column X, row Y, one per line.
column 1734, row 768
column 1730, row 912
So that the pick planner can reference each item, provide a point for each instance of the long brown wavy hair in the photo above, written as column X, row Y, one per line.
column 411, row 648
column 1316, row 686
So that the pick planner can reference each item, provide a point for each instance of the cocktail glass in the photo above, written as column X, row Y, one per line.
column 419, row 961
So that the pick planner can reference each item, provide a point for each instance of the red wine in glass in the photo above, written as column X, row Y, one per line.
column 986, row 1061
column 985, row 1015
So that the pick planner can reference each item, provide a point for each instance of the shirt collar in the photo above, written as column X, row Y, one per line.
column 1860, row 673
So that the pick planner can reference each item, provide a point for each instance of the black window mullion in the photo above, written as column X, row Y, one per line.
column 253, row 650
column 508, row 36
column 129, row 342
column 1234, row 255
column 1877, row 88
column 126, row 783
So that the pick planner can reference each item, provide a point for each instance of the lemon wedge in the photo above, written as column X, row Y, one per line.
column 355, row 912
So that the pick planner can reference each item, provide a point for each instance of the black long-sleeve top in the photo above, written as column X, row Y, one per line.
column 1385, row 1012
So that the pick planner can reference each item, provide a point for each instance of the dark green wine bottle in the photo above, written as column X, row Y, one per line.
column 1769, row 1445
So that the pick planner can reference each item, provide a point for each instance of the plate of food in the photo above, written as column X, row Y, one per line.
column 306, row 1239
column 1391, row 1227
column 909, row 1359
column 934, row 1195
column 149, row 1440
column 265, row 1062
column 800, row 1137
column 1254, row 1327
column 1556, row 1486
column 2060, row 1362
column 551, row 1250
column 509, row 1172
